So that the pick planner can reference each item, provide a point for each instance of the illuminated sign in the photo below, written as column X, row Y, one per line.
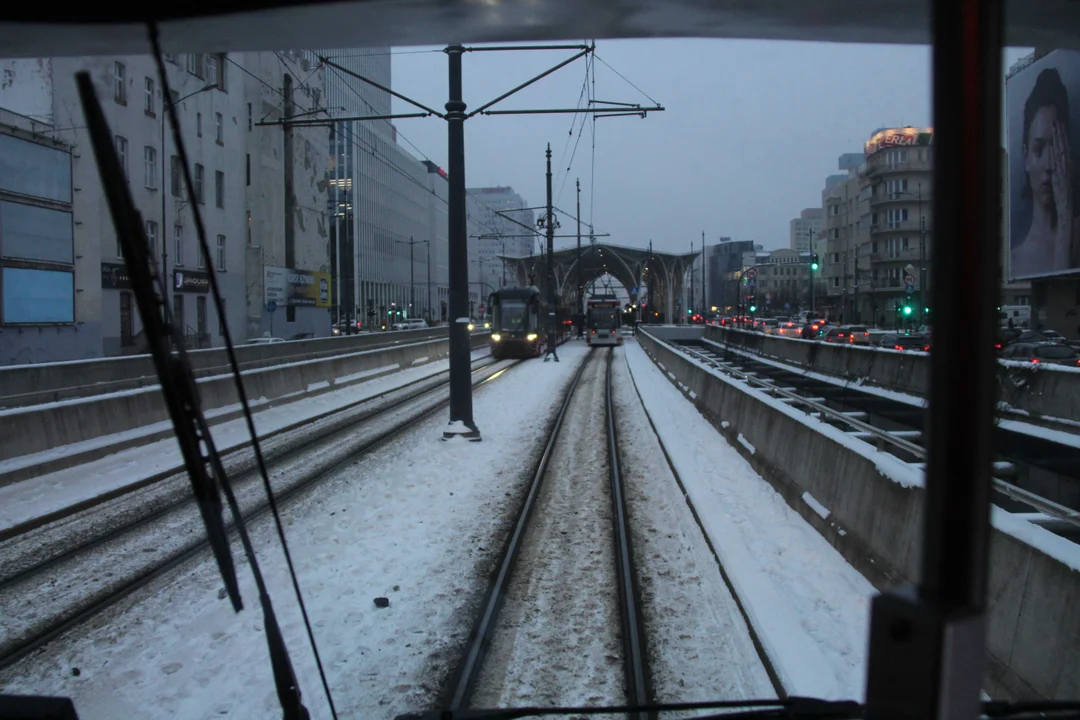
column 899, row 137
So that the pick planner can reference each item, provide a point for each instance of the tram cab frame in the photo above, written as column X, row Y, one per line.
column 517, row 323
column 603, row 316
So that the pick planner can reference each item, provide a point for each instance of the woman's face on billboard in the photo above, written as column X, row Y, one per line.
column 1038, row 158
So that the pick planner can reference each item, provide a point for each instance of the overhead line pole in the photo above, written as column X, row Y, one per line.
column 553, row 297
column 461, row 415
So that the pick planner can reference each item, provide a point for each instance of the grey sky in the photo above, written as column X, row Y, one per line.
column 751, row 129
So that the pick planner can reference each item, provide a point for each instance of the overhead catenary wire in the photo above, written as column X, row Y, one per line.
column 245, row 405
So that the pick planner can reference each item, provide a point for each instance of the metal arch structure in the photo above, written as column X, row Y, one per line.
column 625, row 263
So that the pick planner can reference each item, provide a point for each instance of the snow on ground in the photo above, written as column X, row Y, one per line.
column 418, row 522
column 810, row 608
column 37, row 497
column 557, row 640
column 699, row 646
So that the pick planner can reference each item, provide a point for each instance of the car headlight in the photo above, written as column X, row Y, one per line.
column 530, row 337
column 470, row 326
column 487, row 325
column 496, row 337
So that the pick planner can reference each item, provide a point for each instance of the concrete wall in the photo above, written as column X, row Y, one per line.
column 29, row 430
column 1040, row 391
column 34, row 384
column 876, row 523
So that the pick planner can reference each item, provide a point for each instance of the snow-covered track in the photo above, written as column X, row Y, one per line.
column 50, row 586
column 561, row 612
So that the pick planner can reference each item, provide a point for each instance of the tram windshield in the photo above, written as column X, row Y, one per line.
column 604, row 318
column 511, row 316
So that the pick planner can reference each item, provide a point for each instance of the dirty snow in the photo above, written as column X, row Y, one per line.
column 810, row 608
column 417, row 522
column 699, row 645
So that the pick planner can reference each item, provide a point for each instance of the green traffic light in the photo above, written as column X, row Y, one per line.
column 813, row 266
column 907, row 309
column 753, row 308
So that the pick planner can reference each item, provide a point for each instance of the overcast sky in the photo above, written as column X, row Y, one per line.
column 751, row 129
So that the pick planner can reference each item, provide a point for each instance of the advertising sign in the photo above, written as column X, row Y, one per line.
column 114, row 276
column 1043, row 137
column 287, row 287
column 898, row 137
column 191, row 281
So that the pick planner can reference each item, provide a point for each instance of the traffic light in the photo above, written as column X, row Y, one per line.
column 907, row 310
column 814, row 262
column 753, row 305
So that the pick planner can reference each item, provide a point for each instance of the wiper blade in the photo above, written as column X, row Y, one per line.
column 1035, row 709
column 792, row 707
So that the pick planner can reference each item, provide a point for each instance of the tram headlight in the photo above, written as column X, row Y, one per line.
column 496, row 337
column 487, row 325
column 470, row 326
column 530, row 337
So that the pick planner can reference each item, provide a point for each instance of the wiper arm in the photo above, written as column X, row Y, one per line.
column 792, row 707
column 207, row 474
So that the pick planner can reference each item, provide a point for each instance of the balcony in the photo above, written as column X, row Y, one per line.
column 904, row 197
column 909, row 166
column 895, row 226
column 896, row 256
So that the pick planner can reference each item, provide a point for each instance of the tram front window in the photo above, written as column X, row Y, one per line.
column 511, row 317
column 605, row 319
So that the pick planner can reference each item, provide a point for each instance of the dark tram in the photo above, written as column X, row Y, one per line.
column 518, row 323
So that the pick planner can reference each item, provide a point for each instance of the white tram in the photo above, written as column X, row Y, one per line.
column 603, row 314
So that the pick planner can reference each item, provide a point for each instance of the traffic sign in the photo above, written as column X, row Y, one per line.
column 751, row 273
column 909, row 288
column 482, row 309
column 633, row 291
column 751, row 281
column 271, row 306
column 909, row 279
column 768, row 296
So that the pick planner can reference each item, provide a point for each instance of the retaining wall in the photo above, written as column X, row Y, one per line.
column 23, row 385
column 876, row 523
column 24, row 431
column 1040, row 390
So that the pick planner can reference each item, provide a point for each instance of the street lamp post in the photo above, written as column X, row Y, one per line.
column 412, row 267
column 165, row 102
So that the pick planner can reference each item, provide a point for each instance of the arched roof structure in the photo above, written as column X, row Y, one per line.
column 634, row 268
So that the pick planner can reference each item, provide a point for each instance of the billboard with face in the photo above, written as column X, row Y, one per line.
column 1043, row 138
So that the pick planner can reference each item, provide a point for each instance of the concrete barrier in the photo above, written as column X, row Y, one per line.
column 25, row 385
column 1038, row 390
column 874, row 508
column 24, row 431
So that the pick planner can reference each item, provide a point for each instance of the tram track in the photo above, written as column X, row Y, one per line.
column 897, row 427
column 546, row 622
column 47, row 594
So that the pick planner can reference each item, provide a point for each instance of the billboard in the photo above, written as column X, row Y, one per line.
column 288, row 287
column 1043, row 136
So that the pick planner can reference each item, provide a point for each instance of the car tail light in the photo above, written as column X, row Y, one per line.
column 897, row 347
column 866, row 334
column 926, row 348
column 1035, row 360
column 997, row 346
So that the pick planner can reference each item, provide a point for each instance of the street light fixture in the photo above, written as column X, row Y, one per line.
column 165, row 102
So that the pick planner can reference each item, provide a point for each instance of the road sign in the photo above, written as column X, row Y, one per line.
column 271, row 306
column 909, row 279
column 482, row 309
column 633, row 291
column 751, row 273
column 751, row 282
column 768, row 296
column 909, row 288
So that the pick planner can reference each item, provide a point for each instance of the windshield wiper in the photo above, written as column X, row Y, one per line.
column 793, row 708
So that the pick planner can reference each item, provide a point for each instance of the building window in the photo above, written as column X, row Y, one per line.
column 120, row 83
column 199, row 173
column 200, row 257
column 194, row 64
column 149, row 167
column 250, row 118
column 198, row 124
column 174, row 175
column 151, row 238
column 127, row 321
column 211, row 70
column 148, row 96
column 248, row 169
column 178, row 245
column 221, row 320
column 178, row 313
column 121, row 151
column 220, row 265
column 219, row 188
column 219, row 128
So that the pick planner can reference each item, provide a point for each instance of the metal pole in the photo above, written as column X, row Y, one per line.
column 922, row 258
column 690, row 303
column 461, row 410
column 412, row 277
column 579, row 319
column 704, row 282
column 927, row 649
column 552, row 295
column 164, row 190
column 427, row 305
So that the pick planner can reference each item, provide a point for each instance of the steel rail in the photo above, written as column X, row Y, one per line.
column 469, row 670
column 635, row 657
